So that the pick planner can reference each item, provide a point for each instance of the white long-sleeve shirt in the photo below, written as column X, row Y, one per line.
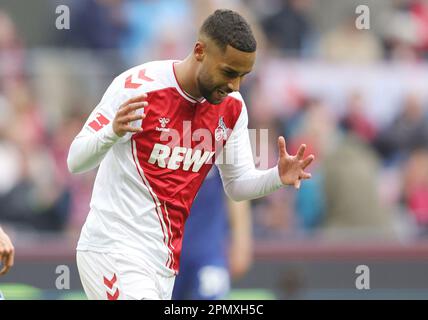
column 146, row 182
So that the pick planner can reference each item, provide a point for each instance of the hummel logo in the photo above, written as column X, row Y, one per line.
column 163, row 121
column 110, row 284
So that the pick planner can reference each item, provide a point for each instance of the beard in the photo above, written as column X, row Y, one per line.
column 209, row 90
column 206, row 89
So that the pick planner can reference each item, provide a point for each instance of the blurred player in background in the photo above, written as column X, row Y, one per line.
column 207, row 266
column 155, row 135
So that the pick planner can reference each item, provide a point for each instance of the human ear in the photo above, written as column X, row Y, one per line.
column 199, row 51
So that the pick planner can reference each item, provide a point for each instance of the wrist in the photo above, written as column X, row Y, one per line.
column 110, row 134
column 277, row 178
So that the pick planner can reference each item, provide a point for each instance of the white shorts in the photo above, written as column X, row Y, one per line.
column 111, row 276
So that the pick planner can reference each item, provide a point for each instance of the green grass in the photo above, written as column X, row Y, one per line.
column 19, row 291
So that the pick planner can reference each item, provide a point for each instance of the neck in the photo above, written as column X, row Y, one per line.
column 185, row 71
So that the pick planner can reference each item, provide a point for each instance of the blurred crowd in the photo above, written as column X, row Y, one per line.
column 370, row 178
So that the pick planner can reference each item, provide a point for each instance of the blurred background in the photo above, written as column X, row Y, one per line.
column 357, row 98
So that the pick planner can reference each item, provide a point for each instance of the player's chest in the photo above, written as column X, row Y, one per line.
column 187, row 125
column 178, row 135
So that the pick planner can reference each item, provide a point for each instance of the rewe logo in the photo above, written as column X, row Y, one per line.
column 187, row 156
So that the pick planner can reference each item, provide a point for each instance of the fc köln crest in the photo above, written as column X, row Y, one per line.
column 221, row 130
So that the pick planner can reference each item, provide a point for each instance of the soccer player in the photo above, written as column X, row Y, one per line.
column 207, row 266
column 7, row 252
column 155, row 135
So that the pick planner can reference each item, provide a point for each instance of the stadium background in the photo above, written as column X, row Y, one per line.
column 358, row 98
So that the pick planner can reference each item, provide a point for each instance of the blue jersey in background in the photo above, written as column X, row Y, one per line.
column 203, row 263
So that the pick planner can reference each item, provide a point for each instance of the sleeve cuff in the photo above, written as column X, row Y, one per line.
column 276, row 178
column 108, row 135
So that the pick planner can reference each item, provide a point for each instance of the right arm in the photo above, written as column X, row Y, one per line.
column 99, row 133
column 241, row 179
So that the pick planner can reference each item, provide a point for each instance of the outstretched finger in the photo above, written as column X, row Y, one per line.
column 305, row 176
column 307, row 161
column 137, row 105
column 126, row 109
column 301, row 151
column 281, row 147
column 297, row 184
column 10, row 259
column 129, row 128
column 5, row 268
column 139, row 98
column 129, row 118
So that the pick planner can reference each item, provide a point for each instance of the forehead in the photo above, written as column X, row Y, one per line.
column 235, row 59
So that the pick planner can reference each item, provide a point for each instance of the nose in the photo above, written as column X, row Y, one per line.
column 234, row 84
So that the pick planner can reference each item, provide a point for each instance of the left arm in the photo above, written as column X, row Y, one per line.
column 242, row 181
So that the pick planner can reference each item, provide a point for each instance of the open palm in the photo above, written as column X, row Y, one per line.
column 292, row 168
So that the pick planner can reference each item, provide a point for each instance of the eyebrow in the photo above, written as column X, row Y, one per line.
column 228, row 69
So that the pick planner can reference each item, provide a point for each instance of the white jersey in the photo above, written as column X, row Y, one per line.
column 146, row 182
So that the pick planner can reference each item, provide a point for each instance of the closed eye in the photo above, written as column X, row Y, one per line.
column 234, row 74
column 230, row 74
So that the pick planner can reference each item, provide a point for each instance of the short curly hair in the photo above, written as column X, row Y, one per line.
column 227, row 27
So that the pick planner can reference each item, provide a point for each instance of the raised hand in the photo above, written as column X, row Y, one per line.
column 127, row 113
column 291, row 168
